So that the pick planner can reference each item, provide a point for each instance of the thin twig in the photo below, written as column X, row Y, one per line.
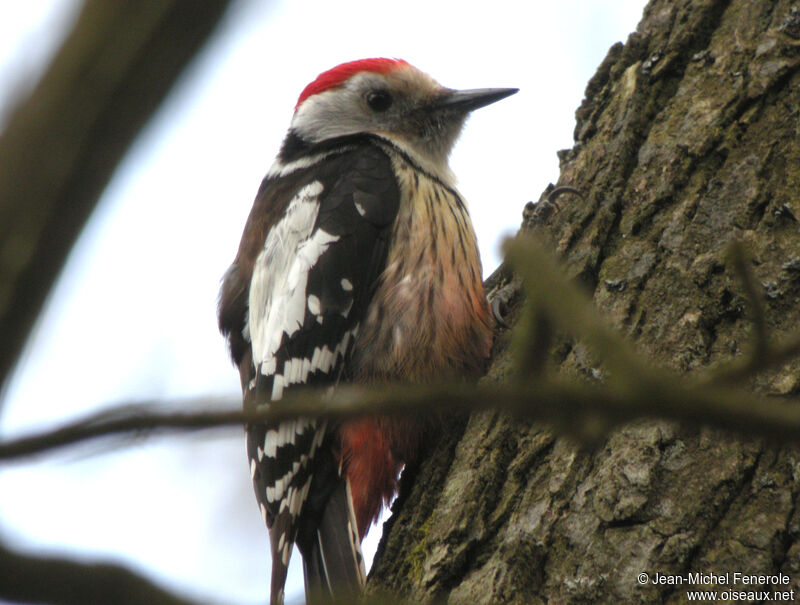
column 764, row 354
column 572, row 311
column 740, row 370
column 740, row 263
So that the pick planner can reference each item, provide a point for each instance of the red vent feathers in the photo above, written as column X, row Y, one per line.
column 341, row 73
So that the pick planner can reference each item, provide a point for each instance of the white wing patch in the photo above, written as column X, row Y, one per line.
column 287, row 305
column 285, row 433
column 297, row 369
column 279, row 169
column 278, row 301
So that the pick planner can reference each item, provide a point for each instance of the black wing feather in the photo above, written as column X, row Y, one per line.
column 358, row 203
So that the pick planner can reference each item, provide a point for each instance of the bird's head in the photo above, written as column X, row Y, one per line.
column 391, row 99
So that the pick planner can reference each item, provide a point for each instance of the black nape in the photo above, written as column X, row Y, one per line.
column 293, row 146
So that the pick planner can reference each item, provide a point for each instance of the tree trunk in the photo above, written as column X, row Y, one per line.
column 689, row 137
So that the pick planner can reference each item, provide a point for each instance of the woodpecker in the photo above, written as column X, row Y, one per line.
column 358, row 263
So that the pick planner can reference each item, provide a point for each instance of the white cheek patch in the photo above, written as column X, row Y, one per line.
column 328, row 114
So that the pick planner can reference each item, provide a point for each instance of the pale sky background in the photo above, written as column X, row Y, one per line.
column 133, row 314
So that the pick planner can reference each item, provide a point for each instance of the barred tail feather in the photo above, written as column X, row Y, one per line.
column 280, row 567
column 333, row 566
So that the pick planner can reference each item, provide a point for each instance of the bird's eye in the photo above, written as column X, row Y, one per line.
column 379, row 100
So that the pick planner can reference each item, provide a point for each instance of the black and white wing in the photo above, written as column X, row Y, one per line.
column 310, row 285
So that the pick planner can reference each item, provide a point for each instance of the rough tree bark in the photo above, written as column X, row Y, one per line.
column 689, row 136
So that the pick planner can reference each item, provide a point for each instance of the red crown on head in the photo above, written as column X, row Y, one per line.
column 341, row 73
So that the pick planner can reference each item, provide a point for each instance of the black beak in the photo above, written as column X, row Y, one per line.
column 468, row 100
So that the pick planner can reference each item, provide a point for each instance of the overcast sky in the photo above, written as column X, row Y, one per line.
column 133, row 314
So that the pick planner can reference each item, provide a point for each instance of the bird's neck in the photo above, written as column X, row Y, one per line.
column 431, row 159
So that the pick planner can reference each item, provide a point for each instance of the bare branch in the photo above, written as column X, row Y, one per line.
column 63, row 143
column 62, row 581
column 564, row 404
column 32, row 579
column 635, row 388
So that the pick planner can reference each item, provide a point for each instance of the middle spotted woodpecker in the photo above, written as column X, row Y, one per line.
column 358, row 263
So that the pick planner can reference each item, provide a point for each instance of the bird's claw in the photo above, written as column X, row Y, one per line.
column 499, row 299
column 498, row 306
column 552, row 197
